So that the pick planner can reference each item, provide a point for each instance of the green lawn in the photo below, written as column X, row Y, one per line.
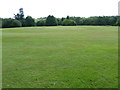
column 60, row 57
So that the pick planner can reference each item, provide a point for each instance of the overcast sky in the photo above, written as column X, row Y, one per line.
column 59, row 8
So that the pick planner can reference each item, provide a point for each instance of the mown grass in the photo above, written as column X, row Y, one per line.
column 60, row 57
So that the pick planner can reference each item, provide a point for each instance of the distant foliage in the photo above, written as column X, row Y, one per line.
column 51, row 21
column 23, row 22
column 7, row 23
column 16, row 23
column 0, row 22
column 118, row 22
column 68, row 22
column 40, row 23
column 19, row 15
column 41, row 19
column 97, row 20
column 62, row 19
column 68, row 17
column 59, row 21
column 19, row 20
column 30, row 21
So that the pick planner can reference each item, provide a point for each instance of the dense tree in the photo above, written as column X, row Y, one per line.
column 68, row 17
column 41, row 19
column 68, row 22
column 19, row 15
column 0, row 22
column 16, row 23
column 23, row 22
column 40, row 23
column 6, row 23
column 62, row 19
column 118, row 22
column 59, row 21
column 51, row 21
column 30, row 21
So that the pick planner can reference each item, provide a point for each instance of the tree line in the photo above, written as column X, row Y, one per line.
column 21, row 21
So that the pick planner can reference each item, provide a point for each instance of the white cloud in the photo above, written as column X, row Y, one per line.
column 59, row 8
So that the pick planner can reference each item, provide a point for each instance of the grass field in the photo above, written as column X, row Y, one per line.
column 60, row 57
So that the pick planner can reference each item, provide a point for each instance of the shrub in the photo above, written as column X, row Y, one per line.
column 68, row 22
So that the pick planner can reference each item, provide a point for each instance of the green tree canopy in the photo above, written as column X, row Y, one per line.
column 40, row 23
column 19, row 15
column 30, row 21
column 68, row 22
column 6, row 23
column 51, row 21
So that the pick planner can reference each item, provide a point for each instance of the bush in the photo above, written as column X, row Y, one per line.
column 40, row 23
column 68, row 22
column 51, row 21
